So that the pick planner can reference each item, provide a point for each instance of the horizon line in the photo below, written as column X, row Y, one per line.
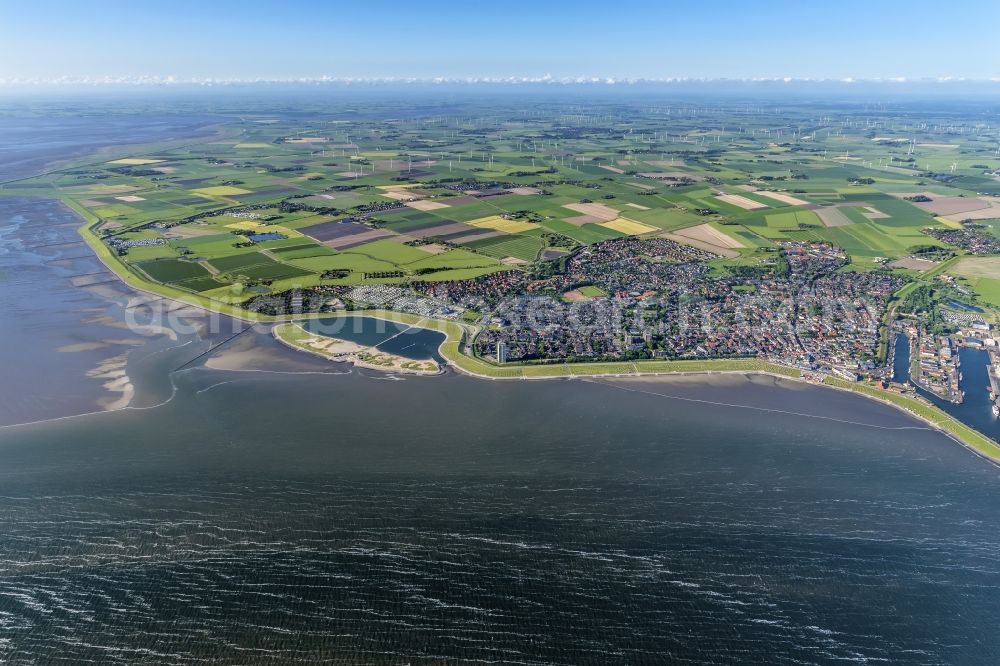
column 169, row 80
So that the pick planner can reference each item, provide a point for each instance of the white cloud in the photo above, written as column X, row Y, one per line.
column 152, row 80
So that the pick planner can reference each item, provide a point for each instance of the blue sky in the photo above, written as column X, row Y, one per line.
column 45, row 39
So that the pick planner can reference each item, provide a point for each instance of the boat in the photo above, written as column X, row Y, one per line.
column 996, row 410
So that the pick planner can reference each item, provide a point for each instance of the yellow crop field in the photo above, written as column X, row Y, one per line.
column 500, row 224
column 245, row 225
column 626, row 226
column 950, row 223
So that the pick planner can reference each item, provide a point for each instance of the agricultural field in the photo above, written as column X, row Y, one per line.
column 373, row 198
column 982, row 274
column 525, row 248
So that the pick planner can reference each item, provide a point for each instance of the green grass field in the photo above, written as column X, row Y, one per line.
column 236, row 262
column 220, row 191
column 391, row 252
column 172, row 270
column 525, row 248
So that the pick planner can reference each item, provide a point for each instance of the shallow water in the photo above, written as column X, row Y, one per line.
column 261, row 517
column 62, row 314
